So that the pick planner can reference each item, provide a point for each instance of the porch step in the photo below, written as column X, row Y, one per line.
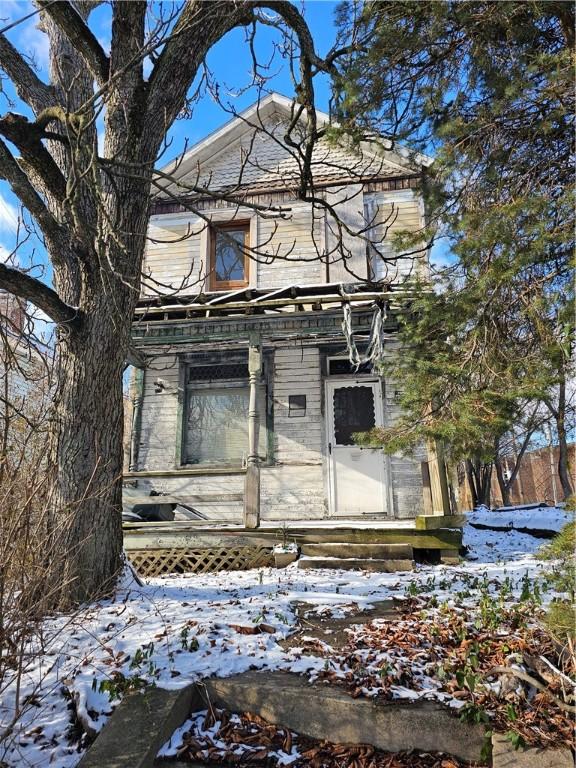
column 355, row 564
column 346, row 550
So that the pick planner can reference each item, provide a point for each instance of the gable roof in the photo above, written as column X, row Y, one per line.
column 204, row 159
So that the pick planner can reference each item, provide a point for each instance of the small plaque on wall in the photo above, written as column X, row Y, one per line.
column 296, row 406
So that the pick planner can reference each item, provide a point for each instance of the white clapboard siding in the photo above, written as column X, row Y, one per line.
column 173, row 257
column 157, row 446
column 405, row 471
column 292, row 493
column 393, row 212
column 298, row 440
column 293, row 247
column 346, row 253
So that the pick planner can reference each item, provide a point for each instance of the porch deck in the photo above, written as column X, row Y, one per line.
column 183, row 546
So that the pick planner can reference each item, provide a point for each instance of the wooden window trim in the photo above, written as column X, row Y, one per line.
column 227, row 285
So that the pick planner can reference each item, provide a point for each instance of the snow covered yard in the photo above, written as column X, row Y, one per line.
column 179, row 629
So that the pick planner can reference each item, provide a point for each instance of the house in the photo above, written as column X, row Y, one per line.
column 258, row 325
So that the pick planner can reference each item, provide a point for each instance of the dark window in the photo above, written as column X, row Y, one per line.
column 296, row 405
column 353, row 412
column 218, row 371
column 229, row 262
column 343, row 366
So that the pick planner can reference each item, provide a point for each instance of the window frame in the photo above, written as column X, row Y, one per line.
column 227, row 285
column 188, row 361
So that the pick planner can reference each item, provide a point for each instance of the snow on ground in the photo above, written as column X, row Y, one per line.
column 535, row 518
column 178, row 629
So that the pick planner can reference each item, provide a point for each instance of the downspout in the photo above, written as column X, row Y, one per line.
column 137, row 391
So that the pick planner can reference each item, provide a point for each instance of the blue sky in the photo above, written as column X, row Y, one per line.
column 229, row 62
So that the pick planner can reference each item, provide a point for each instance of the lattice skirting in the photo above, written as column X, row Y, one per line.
column 154, row 562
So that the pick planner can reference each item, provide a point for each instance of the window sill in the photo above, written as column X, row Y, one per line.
column 187, row 470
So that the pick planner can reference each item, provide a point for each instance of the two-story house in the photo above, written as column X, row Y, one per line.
column 254, row 327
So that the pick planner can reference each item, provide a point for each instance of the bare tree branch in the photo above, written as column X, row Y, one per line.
column 45, row 298
column 27, row 137
column 182, row 53
column 11, row 172
column 28, row 85
column 80, row 36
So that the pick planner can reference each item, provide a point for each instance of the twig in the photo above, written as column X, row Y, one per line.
column 531, row 681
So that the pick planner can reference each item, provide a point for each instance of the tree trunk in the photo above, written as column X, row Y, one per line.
column 86, row 460
column 479, row 479
column 486, row 484
column 503, row 484
column 563, row 463
column 471, row 483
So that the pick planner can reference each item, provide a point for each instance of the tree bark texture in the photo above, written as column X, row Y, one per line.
column 93, row 213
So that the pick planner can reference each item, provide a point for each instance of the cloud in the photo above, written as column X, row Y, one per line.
column 8, row 216
column 5, row 254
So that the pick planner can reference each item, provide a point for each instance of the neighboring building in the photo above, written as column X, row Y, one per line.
column 230, row 328
column 537, row 479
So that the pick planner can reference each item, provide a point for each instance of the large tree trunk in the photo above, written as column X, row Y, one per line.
column 86, row 459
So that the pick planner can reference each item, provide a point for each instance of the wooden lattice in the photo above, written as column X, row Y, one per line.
column 154, row 562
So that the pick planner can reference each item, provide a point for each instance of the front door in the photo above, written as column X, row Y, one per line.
column 357, row 475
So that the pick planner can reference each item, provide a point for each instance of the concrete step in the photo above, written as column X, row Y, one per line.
column 327, row 712
column 356, row 564
column 345, row 550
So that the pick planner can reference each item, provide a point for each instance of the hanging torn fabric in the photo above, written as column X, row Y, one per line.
column 375, row 348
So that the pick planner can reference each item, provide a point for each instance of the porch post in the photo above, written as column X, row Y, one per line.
column 252, row 481
column 438, row 479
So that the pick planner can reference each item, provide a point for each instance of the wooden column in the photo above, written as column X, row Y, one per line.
column 252, row 482
column 438, row 479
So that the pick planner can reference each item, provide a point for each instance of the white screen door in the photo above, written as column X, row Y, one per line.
column 357, row 475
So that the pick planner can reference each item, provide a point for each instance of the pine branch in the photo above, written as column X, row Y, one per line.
column 28, row 85
column 80, row 36
column 41, row 295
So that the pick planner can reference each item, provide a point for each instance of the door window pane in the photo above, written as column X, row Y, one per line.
column 353, row 412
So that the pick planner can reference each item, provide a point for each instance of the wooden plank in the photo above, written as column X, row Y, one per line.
column 438, row 479
column 185, row 471
column 252, row 496
column 193, row 536
column 429, row 523
column 426, row 489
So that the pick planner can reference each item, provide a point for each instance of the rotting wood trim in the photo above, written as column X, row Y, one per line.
column 143, row 473
column 273, row 195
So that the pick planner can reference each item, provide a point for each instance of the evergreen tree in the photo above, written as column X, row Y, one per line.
column 488, row 89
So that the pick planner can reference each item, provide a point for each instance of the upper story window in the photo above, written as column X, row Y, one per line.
column 229, row 262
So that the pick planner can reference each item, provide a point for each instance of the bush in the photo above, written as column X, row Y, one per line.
column 560, row 619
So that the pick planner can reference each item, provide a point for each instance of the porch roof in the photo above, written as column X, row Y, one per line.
column 253, row 301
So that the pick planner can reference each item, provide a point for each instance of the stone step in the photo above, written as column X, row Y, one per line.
column 356, row 564
column 139, row 726
column 327, row 712
column 346, row 550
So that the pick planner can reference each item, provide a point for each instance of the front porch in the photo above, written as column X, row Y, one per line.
column 247, row 410
column 178, row 546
